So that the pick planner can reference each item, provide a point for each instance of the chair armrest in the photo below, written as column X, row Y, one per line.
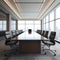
column 57, row 41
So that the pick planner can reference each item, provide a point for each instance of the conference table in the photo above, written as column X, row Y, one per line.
column 29, row 43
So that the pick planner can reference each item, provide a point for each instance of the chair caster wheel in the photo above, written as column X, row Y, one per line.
column 54, row 54
column 45, row 53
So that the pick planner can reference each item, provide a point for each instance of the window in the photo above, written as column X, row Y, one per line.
column 44, row 26
column 46, row 19
column 52, row 16
column 13, row 25
column 2, row 25
column 47, row 26
column 58, row 29
column 21, row 25
column 52, row 26
column 58, row 12
column 53, row 22
column 37, row 25
column 29, row 25
column 25, row 25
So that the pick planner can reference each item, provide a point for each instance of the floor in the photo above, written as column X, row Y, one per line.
column 49, row 55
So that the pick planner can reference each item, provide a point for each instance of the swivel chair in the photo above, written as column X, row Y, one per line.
column 50, row 42
column 46, row 34
column 10, row 42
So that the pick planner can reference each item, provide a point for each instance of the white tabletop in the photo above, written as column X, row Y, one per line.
column 27, row 36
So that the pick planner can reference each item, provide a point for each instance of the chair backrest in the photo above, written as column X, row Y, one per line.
column 29, row 31
column 46, row 34
column 2, row 33
column 8, row 35
column 39, row 31
column 43, row 33
column 52, row 37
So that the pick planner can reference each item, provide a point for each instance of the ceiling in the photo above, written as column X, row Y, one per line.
column 2, row 15
column 28, row 9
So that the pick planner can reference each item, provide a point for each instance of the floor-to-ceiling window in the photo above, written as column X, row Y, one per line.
column 48, row 22
column 58, row 23
column 51, row 22
column 27, row 24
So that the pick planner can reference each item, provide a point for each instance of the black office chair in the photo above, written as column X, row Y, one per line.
column 18, row 32
column 2, row 33
column 29, row 31
column 10, row 42
column 39, row 31
column 50, row 42
column 43, row 33
column 13, row 33
column 46, row 34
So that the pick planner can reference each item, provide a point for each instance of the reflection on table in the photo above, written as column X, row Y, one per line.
column 27, row 36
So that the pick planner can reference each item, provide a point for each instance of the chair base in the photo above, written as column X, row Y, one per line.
column 53, row 51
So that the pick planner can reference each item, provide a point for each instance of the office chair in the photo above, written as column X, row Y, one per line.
column 10, row 42
column 43, row 33
column 39, row 31
column 29, row 31
column 18, row 32
column 2, row 33
column 13, row 33
column 50, row 42
column 46, row 34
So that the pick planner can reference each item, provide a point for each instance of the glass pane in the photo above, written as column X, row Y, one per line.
column 46, row 26
column 37, row 22
column 14, row 27
column 13, row 22
column 52, row 26
column 0, row 27
column 21, row 22
column 0, row 22
column 4, row 27
column 58, row 29
column 58, row 12
column 52, row 16
column 29, row 22
column 21, row 27
column 37, row 27
column 4, row 22
column 46, row 18
column 29, row 27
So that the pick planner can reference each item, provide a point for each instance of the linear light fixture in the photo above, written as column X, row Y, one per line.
column 29, row 2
